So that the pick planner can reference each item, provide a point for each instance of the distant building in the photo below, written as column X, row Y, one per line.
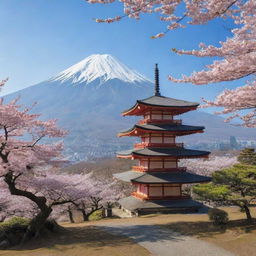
column 157, row 178
column 233, row 142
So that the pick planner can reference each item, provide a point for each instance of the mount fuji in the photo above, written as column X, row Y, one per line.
column 87, row 100
column 99, row 69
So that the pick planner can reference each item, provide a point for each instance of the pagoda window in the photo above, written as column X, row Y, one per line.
column 156, row 164
column 167, row 117
column 169, row 140
column 170, row 164
column 157, row 116
column 172, row 190
column 155, row 190
column 156, row 139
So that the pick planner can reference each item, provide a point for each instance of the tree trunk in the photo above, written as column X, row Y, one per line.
column 248, row 213
column 37, row 224
column 85, row 215
column 70, row 215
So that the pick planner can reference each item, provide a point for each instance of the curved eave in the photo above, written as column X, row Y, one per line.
column 138, row 130
column 165, row 103
column 131, row 111
column 177, row 153
column 176, row 177
column 140, row 108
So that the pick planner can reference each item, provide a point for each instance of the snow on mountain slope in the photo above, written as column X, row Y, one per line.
column 99, row 66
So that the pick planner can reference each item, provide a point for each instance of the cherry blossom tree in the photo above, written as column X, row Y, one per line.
column 236, row 55
column 85, row 194
column 93, row 195
column 208, row 166
column 11, row 205
column 79, row 190
column 25, row 160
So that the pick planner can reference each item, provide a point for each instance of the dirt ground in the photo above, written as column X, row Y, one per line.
column 82, row 239
column 79, row 240
column 237, row 237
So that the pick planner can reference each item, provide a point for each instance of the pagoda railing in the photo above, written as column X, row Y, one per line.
column 157, row 145
column 139, row 168
column 159, row 121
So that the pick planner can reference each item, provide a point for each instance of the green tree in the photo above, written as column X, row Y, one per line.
column 231, row 186
column 247, row 156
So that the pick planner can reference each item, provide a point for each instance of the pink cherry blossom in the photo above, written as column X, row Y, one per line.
column 25, row 160
column 208, row 166
column 236, row 55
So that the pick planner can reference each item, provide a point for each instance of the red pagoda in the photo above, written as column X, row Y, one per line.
column 157, row 178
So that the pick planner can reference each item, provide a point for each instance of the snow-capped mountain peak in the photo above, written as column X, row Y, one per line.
column 99, row 66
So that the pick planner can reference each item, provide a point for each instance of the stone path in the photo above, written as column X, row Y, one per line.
column 164, row 242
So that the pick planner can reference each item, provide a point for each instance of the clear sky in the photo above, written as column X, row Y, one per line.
column 40, row 38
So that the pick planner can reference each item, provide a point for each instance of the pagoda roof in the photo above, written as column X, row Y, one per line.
column 174, row 128
column 173, row 177
column 131, row 203
column 177, row 152
column 162, row 101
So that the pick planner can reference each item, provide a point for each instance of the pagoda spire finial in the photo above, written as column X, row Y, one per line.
column 157, row 87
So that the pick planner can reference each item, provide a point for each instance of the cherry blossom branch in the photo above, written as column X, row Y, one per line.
column 236, row 55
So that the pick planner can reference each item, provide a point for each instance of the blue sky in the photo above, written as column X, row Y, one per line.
column 40, row 38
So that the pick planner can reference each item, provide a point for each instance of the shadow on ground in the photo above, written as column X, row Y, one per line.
column 96, row 237
column 114, row 236
column 208, row 229
column 88, row 236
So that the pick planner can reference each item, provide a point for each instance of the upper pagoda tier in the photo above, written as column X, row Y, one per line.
column 168, row 106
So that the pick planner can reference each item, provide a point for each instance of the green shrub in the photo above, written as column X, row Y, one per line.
column 219, row 217
column 13, row 223
column 96, row 215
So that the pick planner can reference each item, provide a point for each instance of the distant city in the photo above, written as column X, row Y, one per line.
column 93, row 149
column 232, row 144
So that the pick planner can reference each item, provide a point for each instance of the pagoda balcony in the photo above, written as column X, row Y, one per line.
column 157, row 145
column 146, row 197
column 159, row 121
column 139, row 168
